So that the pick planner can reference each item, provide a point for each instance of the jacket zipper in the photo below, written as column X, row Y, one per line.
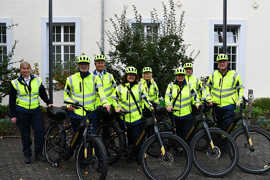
column 29, row 92
column 83, row 92
column 220, row 85
column 128, row 98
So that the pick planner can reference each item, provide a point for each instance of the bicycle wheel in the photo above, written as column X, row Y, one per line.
column 91, row 160
column 174, row 165
column 55, row 149
column 257, row 160
column 219, row 160
column 113, row 142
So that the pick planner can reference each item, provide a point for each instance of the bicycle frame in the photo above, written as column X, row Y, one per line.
column 87, row 127
column 203, row 109
column 244, row 124
column 143, row 134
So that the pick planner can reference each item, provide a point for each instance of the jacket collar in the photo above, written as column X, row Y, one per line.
column 95, row 72
column 228, row 70
column 184, row 82
column 21, row 79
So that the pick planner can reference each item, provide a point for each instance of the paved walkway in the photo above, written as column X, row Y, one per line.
column 12, row 167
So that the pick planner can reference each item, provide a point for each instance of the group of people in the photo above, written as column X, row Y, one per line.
column 133, row 96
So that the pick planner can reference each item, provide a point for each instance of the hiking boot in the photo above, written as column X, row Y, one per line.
column 27, row 160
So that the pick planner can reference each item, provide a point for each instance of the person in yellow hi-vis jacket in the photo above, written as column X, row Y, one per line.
column 129, row 97
column 150, row 85
column 107, row 79
column 109, row 86
column 224, row 88
column 179, row 97
column 193, row 81
column 25, row 111
column 151, row 88
column 85, row 88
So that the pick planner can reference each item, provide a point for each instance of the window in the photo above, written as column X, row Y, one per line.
column 232, row 44
column 3, row 42
column 66, row 42
column 63, row 44
column 148, row 29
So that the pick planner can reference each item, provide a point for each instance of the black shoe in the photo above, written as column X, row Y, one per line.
column 39, row 157
column 27, row 160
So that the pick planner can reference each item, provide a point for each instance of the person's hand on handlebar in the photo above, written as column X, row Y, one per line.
column 70, row 108
column 108, row 108
column 169, row 108
column 51, row 105
column 13, row 120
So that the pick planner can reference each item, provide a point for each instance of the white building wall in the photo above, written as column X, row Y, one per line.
column 28, row 15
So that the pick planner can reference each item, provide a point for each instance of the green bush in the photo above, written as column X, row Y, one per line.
column 264, row 123
column 6, row 127
column 256, row 112
column 263, row 104
column 3, row 111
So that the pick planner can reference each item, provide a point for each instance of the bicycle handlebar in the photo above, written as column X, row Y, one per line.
column 78, row 105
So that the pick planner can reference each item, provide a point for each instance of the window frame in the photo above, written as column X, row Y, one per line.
column 62, row 43
column 240, row 61
column 45, row 40
column 8, row 43
column 145, row 22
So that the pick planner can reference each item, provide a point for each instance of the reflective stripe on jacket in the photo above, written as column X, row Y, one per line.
column 186, row 98
column 195, row 84
column 26, row 98
column 84, row 91
column 152, row 90
column 225, row 90
column 109, row 86
column 126, row 102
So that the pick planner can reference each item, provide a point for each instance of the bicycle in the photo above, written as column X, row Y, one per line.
column 160, row 153
column 252, row 142
column 115, row 139
column 214, row 151
column 90, row 154
column 112, row 138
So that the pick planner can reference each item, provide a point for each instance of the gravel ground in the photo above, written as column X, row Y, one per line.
column 12, row 167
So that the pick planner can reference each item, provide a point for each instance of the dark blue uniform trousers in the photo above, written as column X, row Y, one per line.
column 183, row 125
column 224, row 116
column 26, row 120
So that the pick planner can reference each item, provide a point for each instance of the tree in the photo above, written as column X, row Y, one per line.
column 8, row 72
column 62, row 72
column 163, row 49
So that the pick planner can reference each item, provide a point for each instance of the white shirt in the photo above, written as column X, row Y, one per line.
column 27, row 80
column 100, row 74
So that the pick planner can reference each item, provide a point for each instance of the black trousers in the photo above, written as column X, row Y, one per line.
column 183, row 125
column 224, row 117
column 24, row 122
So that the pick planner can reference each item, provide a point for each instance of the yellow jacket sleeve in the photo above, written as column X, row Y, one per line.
column 68, row 92
column 239, row 89
column 207, row 92
column 168, row 95
column 100, row 90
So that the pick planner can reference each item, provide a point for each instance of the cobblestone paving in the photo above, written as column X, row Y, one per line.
column 12, row 167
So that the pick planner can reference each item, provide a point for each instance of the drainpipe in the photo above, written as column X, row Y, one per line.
column 102, row 26
column 50, row 52
column 225, row 26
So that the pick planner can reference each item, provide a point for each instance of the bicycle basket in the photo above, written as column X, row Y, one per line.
column 57, row 114
column 148, row 122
